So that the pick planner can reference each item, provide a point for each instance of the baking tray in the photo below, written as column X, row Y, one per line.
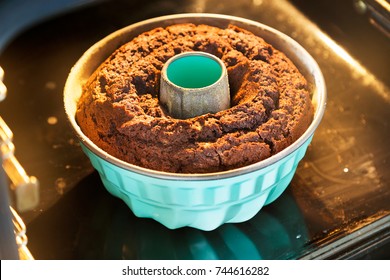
column 337, row 205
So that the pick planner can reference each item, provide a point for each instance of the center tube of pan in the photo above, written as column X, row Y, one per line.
column 193, row 84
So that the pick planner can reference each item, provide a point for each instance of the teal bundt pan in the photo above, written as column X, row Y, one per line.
column 202, row 201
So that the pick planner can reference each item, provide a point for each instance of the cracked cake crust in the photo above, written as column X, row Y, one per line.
column 270, row 108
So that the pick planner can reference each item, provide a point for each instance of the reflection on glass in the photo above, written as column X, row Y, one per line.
column 89, row 223
column 271, row 234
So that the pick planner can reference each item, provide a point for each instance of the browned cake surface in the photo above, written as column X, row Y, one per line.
column 119, row 109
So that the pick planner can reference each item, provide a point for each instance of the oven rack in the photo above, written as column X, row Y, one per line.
column 24, row 189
